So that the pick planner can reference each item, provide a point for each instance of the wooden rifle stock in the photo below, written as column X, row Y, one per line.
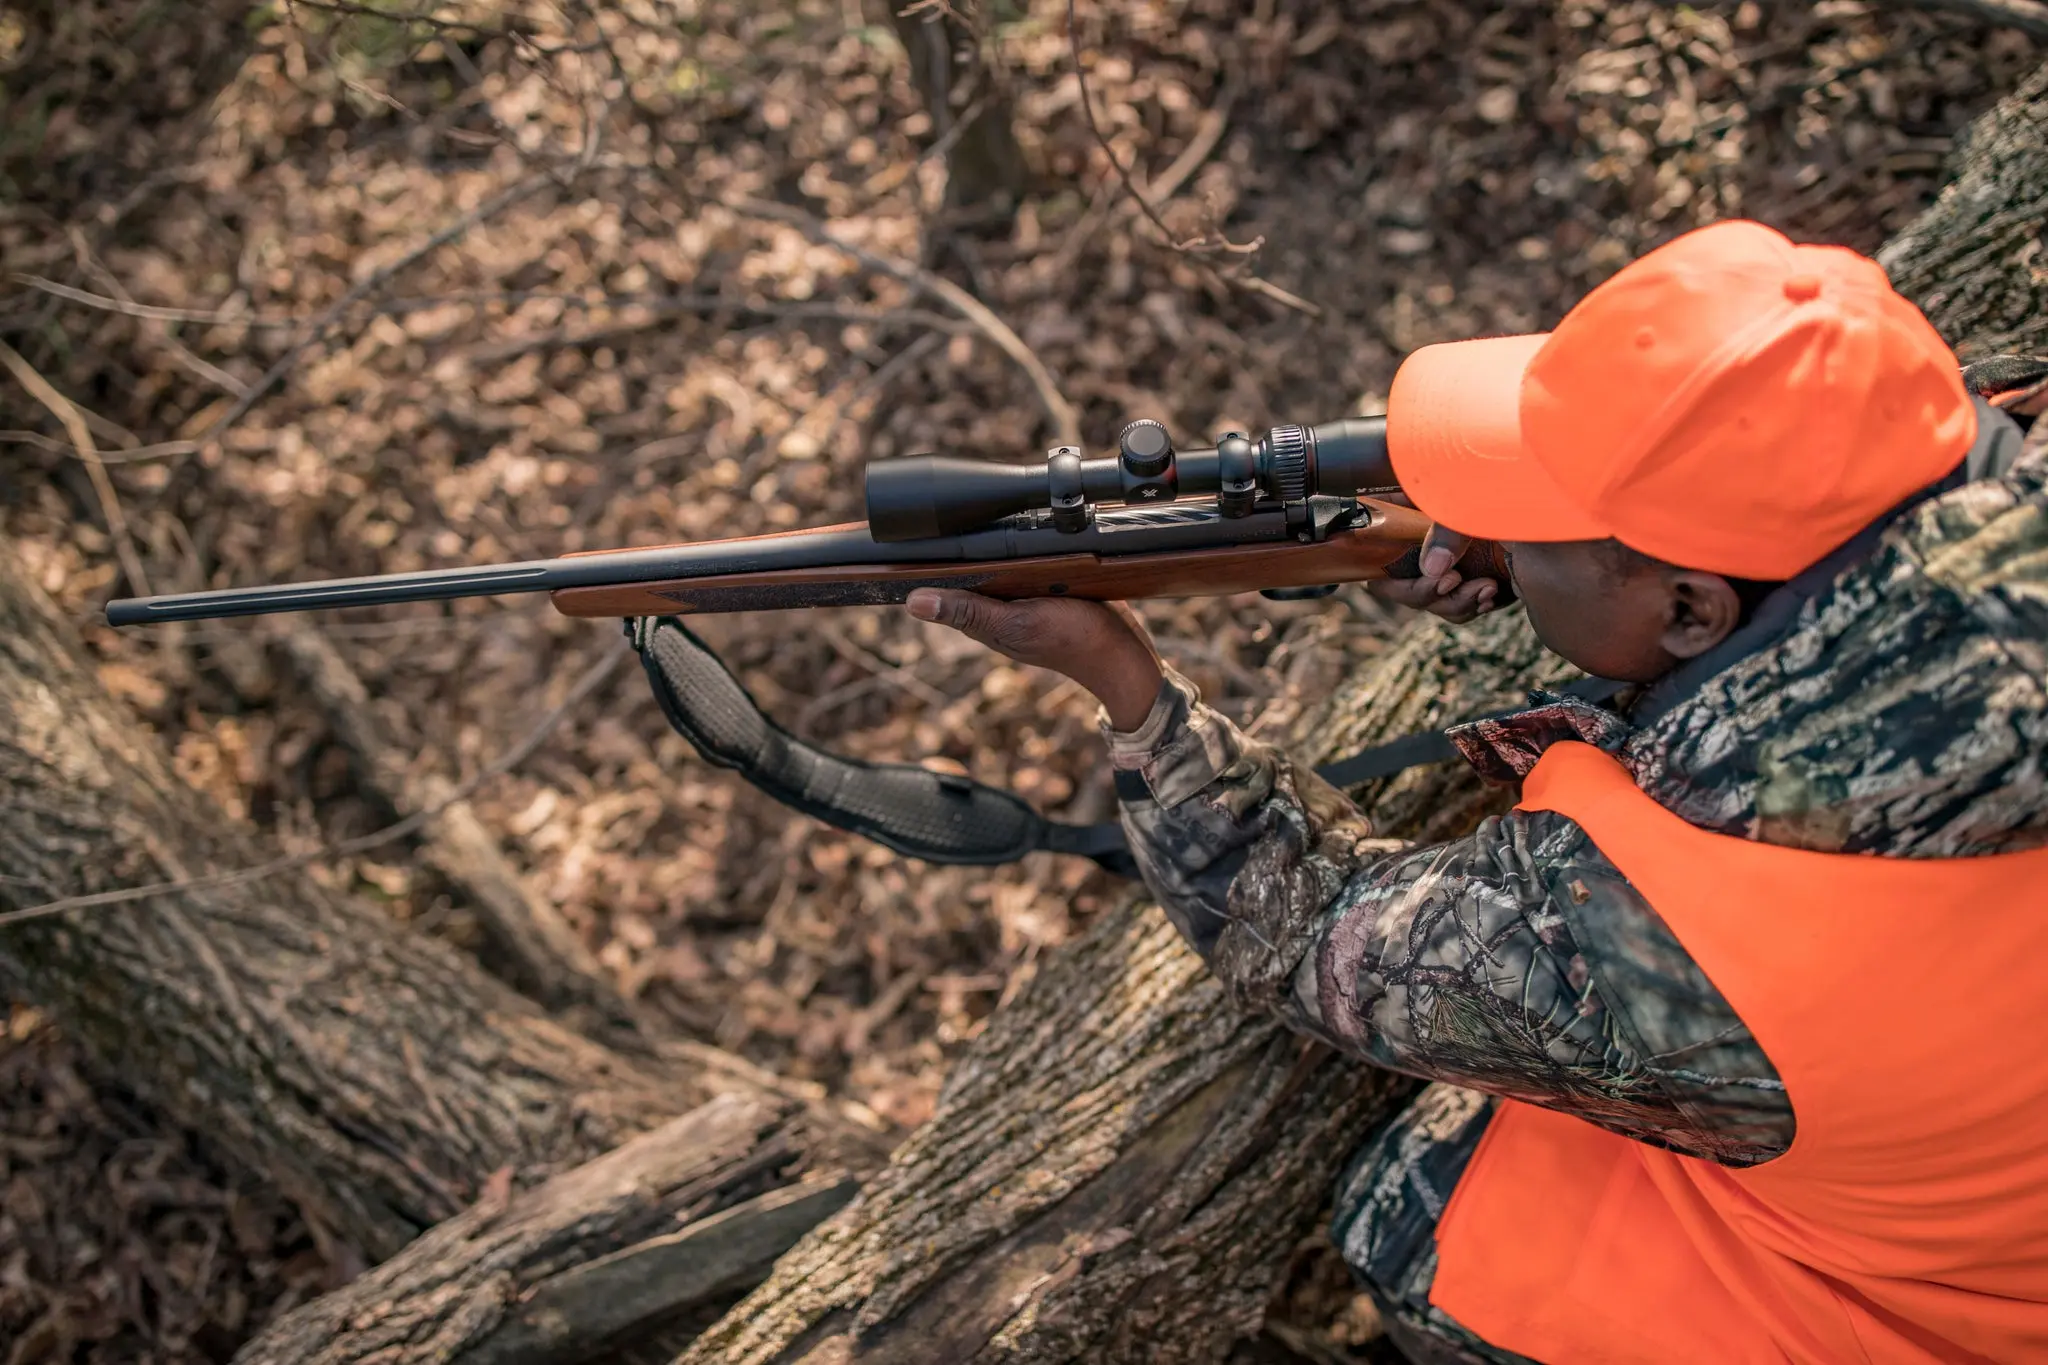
column 1345, row 556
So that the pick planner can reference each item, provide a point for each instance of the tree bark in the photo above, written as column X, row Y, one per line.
column 1119, row 1165
column 692, row 1212
column 1977, row 261
column 378, row 1076
column 971, row 113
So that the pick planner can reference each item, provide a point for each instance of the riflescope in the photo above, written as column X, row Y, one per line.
column 916, row 497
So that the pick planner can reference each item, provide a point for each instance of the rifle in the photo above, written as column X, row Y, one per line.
column 1284, row 515
column 1280, row 514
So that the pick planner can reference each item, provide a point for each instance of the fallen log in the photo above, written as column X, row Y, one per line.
column 688, row 1214
column 379, row 1077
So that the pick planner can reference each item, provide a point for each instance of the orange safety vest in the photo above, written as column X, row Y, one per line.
column 1908, row 1221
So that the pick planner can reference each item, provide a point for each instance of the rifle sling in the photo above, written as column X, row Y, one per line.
column 938, row 817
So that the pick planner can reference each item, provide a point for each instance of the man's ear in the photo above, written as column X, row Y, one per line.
column 1703, row 610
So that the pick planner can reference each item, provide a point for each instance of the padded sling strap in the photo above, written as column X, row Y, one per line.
column 939, row 817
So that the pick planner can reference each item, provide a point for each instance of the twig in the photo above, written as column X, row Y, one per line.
column 155, row 452
column 826, row 702
column 36, row 439
column 1209, row 242
column 1286, row 299
column 1203, row 243
column 547, row 958
column 161, row 450
column 670, row 303
column 2029, row 16
column 195, row 363
column 346, row 10
column 591, row 680
column 572, row 337
column 75, row 426
column 376, row 280
column 1208, row 133
column 891, row 369
column 1066, row 422
column 896, row 675
column 147, row 310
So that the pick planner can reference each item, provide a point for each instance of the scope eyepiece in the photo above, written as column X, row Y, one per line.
column 917, row 497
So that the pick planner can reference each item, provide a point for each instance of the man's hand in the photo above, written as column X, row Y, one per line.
column 1100, row 645
column 1441, row 590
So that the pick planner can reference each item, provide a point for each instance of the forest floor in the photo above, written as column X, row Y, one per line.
column 627, row 354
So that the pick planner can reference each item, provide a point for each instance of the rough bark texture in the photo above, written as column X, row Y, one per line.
column 691, row 1212
column 1977, row 261
column 533, row 947
column 1118, row 1166
column 970, row 114
column 377, row 1075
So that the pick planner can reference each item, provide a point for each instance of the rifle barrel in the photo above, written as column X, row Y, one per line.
column 803, row 549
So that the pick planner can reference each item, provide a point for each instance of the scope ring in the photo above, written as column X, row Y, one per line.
column 1287, row 462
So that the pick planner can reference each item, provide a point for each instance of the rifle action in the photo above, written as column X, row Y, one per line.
column 1281, row 514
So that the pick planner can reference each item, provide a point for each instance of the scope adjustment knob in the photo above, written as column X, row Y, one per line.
column 1287, row 462
column 1145, row 448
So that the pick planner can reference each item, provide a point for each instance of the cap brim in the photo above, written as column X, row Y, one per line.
column 1454, row 434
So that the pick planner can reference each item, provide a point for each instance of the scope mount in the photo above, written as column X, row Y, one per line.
column 917, row 497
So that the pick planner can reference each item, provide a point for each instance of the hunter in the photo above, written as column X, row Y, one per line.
column 1738, row 1022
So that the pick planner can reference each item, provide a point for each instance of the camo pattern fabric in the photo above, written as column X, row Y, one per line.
column 1905, row 713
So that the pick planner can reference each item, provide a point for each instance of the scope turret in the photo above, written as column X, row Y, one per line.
column 916, row 497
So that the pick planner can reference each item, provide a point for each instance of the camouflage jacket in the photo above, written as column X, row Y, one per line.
column 1899, row 707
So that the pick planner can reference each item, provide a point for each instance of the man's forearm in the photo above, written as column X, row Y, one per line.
column 1244, row 849
column 1472, row 962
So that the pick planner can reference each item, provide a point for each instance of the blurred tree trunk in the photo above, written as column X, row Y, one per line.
column 380, row 1078
column 1118, row 1167
column 970, row 111
column 1977, row 261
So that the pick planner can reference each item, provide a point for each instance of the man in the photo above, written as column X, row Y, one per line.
column 1713, row 1082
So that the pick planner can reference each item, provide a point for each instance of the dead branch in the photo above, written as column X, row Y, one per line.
column 1066, row 423
column 194, row 363
column 544, row 956
column 1209, row 243
column 659, row 308
column 2029, row 16
column 1205, row 243
column 506, row 762
column 75, row 425
column 690, row 1212
column 369, row 285
column 150, row 311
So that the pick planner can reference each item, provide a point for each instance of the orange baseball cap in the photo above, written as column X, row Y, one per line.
column 1730, row 402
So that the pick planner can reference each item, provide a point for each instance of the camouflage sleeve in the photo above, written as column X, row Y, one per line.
column 1517, row 961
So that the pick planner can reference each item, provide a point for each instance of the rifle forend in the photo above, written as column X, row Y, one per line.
column 1281, row 516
